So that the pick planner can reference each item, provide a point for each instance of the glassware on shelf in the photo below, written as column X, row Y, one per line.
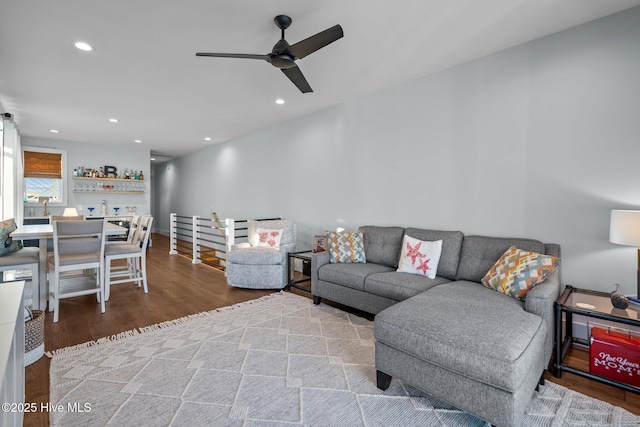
column 116, row 209
column 91, row 211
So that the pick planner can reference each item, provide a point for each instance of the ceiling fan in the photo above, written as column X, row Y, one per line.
column 283, row 55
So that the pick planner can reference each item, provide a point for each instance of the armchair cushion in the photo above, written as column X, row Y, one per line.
column 269, row 238
column 286, row 225
column 256, row 256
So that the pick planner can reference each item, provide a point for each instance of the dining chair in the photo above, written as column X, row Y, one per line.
column 77, row 245
column 134, row 223
column 28, row 257
column 136, row 255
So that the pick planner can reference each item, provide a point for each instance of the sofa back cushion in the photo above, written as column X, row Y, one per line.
column 382, row 245
column 480, row 253
column 451, row 245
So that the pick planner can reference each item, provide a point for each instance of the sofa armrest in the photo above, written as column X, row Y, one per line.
column 318, row 259
column 288, row 247
column 242, row 245
column 540, row 301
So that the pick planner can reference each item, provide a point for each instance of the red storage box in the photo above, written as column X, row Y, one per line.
column 615, row 354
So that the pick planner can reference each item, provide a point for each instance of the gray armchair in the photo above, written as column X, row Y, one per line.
column 257, row 265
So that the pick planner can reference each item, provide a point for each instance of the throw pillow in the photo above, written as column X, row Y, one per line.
column 420, row 257
column 517, row 271
column 346, row 247
column 268, row 238
column 7, row 245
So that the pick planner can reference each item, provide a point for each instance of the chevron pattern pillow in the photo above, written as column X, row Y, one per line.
column 346, row 247
column 517, row 271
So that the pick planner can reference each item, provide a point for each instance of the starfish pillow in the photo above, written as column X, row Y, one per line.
column 420, row 257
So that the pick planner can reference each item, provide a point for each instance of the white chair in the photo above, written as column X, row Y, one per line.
column 253, row 265
column 136, row 255
column 77, row 245
column 25, row 258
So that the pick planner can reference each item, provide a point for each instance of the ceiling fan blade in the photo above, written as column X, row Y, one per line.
column 295, row 75
column 315, row 42
column 235, row 55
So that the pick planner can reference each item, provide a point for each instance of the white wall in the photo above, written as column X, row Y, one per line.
column 94, row 156
column 540, row 141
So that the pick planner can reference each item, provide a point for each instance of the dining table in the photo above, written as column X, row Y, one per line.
column 43, row 233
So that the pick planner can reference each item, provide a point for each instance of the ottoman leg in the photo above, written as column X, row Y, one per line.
column 383, row 380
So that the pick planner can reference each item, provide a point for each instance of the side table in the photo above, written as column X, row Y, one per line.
column 305, row 256
column 580, row 301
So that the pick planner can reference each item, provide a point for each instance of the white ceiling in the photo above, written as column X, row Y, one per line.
column 144, row 72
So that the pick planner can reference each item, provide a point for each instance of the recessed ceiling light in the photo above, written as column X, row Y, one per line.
column 83, row 46
column 279, row 101
column 207, row 139
column 113, row 120
column 53, row 131
column 153, row 158
column 138, row 141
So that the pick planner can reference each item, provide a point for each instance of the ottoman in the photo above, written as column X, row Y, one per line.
column 468, row 345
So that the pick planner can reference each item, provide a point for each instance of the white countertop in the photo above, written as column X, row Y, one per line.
column 11, row 303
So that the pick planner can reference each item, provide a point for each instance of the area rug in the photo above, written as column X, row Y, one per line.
column 275, row 361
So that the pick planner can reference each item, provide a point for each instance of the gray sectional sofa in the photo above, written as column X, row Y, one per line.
column 471, row 346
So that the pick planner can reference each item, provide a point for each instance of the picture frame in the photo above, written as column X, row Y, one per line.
column 320, row 243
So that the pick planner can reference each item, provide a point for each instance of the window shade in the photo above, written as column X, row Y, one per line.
column 42, row 165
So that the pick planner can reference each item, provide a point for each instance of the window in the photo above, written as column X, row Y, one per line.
column 44, row 175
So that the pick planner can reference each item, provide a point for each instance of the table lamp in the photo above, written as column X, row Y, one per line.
column 624, row 229
column 70, row 212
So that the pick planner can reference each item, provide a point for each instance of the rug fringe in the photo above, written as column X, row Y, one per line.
column 79, row 348
column 66, row 351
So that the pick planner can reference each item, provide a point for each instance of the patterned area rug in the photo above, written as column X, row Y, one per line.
column 275, row 361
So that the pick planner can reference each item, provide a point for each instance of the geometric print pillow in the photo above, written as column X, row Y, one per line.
column 517, row 271
column 346, row 247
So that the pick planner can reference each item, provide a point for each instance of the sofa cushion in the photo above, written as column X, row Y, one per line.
column 256, row 255
column 517, row 271
column 350, row 275
column 419, row 257
column 346, row 247
column 451, row 244
column 399, row 286
column 480, row 253
column 468, row 329
column 382, row 244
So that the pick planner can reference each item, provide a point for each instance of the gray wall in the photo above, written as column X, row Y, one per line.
column 94, row 156
column 538, row 141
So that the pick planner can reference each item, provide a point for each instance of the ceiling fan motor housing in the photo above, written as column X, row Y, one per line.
column 283, row 61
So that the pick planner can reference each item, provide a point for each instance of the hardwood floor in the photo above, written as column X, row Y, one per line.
column 178, row 288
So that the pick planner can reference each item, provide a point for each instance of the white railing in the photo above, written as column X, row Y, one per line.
column 206, row 240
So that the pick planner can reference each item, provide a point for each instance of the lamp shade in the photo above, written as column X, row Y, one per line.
column 625, row 228
column 70, row 212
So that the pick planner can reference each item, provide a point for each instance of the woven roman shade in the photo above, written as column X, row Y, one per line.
column 42, row 165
